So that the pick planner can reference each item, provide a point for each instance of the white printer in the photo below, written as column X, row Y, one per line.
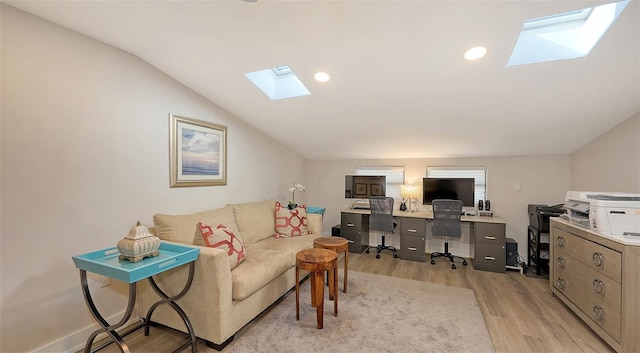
column 605, row 212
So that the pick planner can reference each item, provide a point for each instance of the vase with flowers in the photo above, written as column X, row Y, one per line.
column 293, row 188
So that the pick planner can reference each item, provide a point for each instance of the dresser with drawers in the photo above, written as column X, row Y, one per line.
column 598, row 278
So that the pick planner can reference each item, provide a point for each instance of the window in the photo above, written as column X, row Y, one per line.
column 478, row 173
column 278, row 82
column 394, row 177
column 566, row 35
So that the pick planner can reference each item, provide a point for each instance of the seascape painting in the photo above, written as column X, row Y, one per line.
column 198, row 152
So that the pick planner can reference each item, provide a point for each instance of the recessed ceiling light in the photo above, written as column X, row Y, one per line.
column 475, row 53
column 322, row 76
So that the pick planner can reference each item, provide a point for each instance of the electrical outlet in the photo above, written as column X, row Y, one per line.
column 104, row 280
column 516, row 187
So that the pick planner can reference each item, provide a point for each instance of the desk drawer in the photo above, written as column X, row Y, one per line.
column 355, row 228
column 490, row 258
column 351, row 221
column 413, row 226
column 412, row 248
column 490, row 233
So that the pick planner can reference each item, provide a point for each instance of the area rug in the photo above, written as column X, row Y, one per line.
column 378, row 314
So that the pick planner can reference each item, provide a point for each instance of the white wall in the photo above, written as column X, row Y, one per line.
column 84, row 142
column 611, row 162
column 542, row 179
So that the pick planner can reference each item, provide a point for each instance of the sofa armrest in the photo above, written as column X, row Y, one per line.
column 314, row 223
column 209, row 295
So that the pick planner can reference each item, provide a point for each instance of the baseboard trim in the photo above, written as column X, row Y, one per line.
column 76, row 341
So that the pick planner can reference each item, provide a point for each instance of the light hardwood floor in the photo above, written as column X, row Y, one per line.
column 519, row 311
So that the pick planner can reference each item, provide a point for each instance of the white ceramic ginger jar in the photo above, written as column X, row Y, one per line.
column 140, row 243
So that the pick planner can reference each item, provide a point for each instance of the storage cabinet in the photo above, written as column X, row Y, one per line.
column 490, row 252
column 355, row 228
column 412, row 238
column 597, row 277
column 538, row 236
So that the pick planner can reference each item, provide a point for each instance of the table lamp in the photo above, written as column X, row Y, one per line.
column 409, row 192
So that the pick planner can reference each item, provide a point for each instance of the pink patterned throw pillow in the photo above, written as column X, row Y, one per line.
column 290, row 223
column 225, row 239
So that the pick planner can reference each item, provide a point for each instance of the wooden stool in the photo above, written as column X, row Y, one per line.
column 338, row 245
column 316, row 261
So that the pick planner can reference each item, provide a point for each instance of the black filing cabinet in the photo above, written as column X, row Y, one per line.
column 412, row 239
column 490, row 252
column 355, row 228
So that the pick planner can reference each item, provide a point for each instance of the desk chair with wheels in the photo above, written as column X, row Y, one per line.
column 382, row 219
column 446, row 223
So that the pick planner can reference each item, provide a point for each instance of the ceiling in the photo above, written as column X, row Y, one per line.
column 399, row 88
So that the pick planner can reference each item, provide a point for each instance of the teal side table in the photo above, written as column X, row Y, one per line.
column 105, row 262
column 318, row 210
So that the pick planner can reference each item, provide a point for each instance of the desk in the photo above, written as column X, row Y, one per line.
column 488, row 236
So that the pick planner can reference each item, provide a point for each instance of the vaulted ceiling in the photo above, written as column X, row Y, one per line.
column 399, row 88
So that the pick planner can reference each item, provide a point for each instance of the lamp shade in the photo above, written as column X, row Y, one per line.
column 409, row 191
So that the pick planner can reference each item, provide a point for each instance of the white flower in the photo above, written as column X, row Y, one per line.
column 298, row 187
column 293, row 189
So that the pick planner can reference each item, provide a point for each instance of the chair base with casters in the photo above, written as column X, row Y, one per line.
column 382, row 246
column 448, row 255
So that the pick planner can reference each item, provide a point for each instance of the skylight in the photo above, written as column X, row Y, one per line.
column 278, row 82
column 562, row 36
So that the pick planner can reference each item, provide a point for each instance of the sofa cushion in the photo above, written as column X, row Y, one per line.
column 260, row 267
column 255, row 220
column 289, row 245
column 183, row 228
column 225, row 239
column 290, row 223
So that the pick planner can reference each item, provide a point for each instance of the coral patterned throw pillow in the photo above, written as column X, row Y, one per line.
column 225, row 239
column 290, row 223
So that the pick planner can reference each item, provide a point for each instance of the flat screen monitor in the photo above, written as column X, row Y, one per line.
column 364, row 186
column 449, row 188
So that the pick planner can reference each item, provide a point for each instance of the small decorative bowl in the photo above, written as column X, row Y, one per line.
column 140, row 243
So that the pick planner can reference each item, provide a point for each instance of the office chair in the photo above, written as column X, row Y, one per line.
column 446, row 223
column 382, row 219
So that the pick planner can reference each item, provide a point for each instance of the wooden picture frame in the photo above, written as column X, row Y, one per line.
column 361, row 189
column 197, row 153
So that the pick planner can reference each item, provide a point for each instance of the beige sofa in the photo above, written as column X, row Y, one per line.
column 221, row 301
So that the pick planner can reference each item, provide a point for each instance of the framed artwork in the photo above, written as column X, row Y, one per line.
column 376, row 190
column 198, row 152
column 361, row 189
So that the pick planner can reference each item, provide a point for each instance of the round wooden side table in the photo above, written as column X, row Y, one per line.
column 337, row 244
column 317, row 261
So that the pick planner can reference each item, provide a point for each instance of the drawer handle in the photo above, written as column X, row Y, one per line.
column 489, row 258
column 413, row 231
column 490, row 237
column 412, row 249
column 561, row 262
column 598, row 313
column 349, row 241
column 560, row 283
column 349, row 224
column 598, row 286
column 598, row 259
column 561, row 241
